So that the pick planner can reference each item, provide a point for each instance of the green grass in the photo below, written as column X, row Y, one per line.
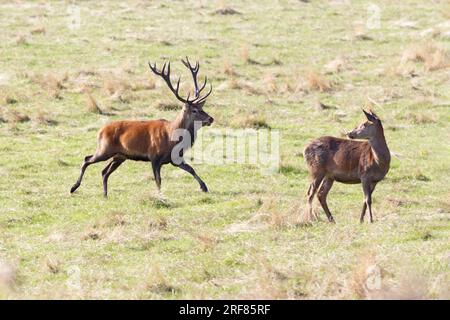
column 238, row 241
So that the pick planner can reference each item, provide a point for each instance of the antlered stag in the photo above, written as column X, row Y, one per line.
column 332, row 159
column 153, row 140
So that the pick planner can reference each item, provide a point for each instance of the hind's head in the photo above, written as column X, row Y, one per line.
column 368, row 129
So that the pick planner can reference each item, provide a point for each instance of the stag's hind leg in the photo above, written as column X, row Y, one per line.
column 316, row 181
column 110, row 168
column 322, row 196
column 86, row 163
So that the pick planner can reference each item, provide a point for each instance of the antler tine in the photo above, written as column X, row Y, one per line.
column 203, row 86
column 200, row 100
column 194, row 71
column 166, row 77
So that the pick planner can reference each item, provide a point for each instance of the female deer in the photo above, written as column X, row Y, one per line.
column 153, row 140
column 332, row 159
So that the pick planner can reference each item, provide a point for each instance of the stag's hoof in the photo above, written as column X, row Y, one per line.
column 204, row 187
column 74, row 187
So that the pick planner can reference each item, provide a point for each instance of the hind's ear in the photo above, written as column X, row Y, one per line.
column 374, row 115
column 370, row 116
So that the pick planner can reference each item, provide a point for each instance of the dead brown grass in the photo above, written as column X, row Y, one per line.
column 207, row 242
column 144, row 84
column 274, row 214
column 419, row 118
column 365, row 277
column 167, row 105
column 38, row 30
column 52, row 264
column 270, row 83
column 91, row 103
column 43, row 118
column 21, row 39
column 254, row 121
column 115, row 85
column 14, row 116
column 316, row 81
column 225, row 11
column 157, row 283
column 52, row 82
column 334, row 66
column 244, row 53
column 433, row 55
column 227, row 69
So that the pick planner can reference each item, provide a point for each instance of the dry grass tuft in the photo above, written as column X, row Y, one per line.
column 226, row 11
column 268, row 283
column 367, row 276
column 21, row 39
column 157, row 283
column 53, row 265
column 114, row 85
column 167, row 106
column 145, row 84
column 419, row 118
column 14, row 116
column 254, row 121
column 38, row 30
column 7, row 98
column 244, row 53
column 91, row 234
column 43, row 118
column 272, row 213
column 207, row 242
column 270, row 83
column 316, row 81
column 334, row 66
column 433, row 56
column 91, row 103
column 227, row 69
column 53, row 83
column 360, row 33
column 158, row 223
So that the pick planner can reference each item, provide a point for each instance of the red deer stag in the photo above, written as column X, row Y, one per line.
column 332, row 159
column 155, row 140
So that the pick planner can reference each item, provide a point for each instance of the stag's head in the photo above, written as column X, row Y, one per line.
column 368, row 129
column 193, row 107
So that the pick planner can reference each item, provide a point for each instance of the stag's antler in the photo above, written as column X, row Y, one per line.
column 194, row 70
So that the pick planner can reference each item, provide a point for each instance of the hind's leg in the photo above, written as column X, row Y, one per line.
column 322, row 196
column 316, row 181
column 86, row 163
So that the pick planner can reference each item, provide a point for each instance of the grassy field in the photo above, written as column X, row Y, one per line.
column 272, row 64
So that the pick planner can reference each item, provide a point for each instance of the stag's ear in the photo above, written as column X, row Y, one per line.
column 201, row 104
column 370, row 116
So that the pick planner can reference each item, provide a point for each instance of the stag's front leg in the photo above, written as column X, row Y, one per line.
column 156, row 166
column 189, row 169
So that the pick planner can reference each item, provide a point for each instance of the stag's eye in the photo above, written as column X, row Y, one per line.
column 194, row 111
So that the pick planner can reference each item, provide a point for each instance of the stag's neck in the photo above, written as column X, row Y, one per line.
column 182, row 122
column 380, row 149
